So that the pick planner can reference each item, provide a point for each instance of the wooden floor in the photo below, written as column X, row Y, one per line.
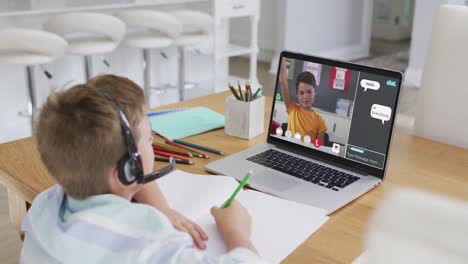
column 10, row 244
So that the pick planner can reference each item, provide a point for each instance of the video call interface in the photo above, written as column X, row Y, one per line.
column 338, row 111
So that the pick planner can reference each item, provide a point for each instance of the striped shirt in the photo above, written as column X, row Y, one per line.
column 108, row 229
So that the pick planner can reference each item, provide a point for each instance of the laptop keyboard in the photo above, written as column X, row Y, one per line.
column 303, row 169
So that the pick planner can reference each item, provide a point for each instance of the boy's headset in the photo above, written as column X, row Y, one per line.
column 130, row 166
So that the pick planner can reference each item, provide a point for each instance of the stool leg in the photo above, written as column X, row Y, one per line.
column 146, row 77
column 181, row 73
column 88, row 62
column 32, row 96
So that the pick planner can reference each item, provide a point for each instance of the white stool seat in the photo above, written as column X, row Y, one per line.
column 149, row 30
column 194, row 21
column 88, row 34
column 190, row 39
column 147, row 41
column 197, row 27
column 30, row 47
column 95, row 33
column 25, row 58
column 87, row 46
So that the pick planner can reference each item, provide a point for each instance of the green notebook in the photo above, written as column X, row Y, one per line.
column 185, row 123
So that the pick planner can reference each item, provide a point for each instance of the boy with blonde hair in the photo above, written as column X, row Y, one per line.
column 95, row 140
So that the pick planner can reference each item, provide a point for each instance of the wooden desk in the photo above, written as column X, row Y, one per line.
column 414, row 162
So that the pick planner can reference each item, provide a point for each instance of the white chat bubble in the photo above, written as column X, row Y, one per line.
column 381, row 112
column 368, row 84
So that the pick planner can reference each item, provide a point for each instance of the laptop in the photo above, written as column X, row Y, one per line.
column 329, row 133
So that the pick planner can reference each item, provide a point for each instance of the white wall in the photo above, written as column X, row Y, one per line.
column 422, row 25
column 338, row 29
column 329, row 28
column 314, row 26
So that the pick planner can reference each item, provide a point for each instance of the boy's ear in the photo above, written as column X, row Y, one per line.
column 115, row 184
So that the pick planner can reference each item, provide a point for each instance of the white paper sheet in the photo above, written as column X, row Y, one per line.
column 279, row 226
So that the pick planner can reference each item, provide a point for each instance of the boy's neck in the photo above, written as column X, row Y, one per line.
column 126, row 194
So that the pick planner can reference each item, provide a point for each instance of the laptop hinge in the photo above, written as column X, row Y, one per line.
column 334, row 163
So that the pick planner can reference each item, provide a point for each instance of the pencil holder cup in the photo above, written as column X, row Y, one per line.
column 244, row 119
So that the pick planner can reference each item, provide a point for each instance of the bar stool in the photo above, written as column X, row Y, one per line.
column 149, row 30
column 197, row 27
column 30, row 47
column 88, row 34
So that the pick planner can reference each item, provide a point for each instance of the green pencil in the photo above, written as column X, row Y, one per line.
column 256, row 93
column 198, row 147
column 241, row 185
column 240, row 91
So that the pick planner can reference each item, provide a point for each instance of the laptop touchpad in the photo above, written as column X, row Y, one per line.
column 272, row 180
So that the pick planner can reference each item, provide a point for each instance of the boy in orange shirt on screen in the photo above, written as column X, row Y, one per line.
column 301, row 117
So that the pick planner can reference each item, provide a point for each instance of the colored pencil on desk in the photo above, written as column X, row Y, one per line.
column 164, row 145
column 176, row 160
column 168, row 150
column 233, row 91
column 168, row 155
column 185, row 147
column 200, row 155
column 191, row 151
column 199, row 147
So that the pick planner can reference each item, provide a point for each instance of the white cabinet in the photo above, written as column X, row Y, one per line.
column 224, row 11
column 236, row 8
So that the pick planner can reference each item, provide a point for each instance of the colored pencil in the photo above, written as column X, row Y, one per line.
column 168, row 155
column 236, row 191
column 200, row 155
column 168, row 150
column 193, row 152
column 249, row 89
column 186, row 148
column 164, row 145
column 240, row 91
column 256, row 93
column 198, row 147
column 176, row 160
column 233, row 91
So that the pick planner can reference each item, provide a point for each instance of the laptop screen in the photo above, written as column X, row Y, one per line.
column 336, row 110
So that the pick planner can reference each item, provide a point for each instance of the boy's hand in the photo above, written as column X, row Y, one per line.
column 235, row 224
column 184, row 224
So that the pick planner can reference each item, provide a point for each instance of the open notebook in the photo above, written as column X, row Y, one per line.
column 184, row 122
column 278, row 226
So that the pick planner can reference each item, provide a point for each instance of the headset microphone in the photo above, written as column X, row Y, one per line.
column 159, row 173
column 130, row 166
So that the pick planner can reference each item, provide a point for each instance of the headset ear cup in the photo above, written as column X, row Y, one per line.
column 125, row 172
